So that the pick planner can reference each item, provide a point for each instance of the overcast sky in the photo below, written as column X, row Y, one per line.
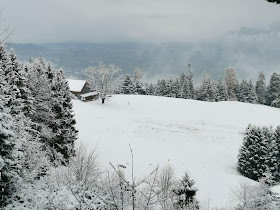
column 41, row 21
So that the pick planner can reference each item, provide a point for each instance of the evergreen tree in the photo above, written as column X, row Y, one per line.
column 157, row 88
column 191, row 94
column 171, row 88
column 258, row 154
column 162, row 88
column 270, row 155
column 276, row 102
column 249, row 163
column 9, row 155
column 185, row 193
column 237, row 91
column 247, row 92
column 140, row 88
column 201, row 91
column 63, row 125
column 221, row 90
column 40, row 88
column 186, row 90
column 3, row 56
column 53, row 110
column 127, row 86
column 20, row 103
column 182, row 89
column 186, row 87
column 261, row 88
column 273, row 88
column 231, row 83
column 151, row 89
column 276, row 139
column 176, row 88
column 208, row 90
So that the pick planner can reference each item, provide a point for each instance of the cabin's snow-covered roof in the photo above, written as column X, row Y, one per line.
column 90, row 94
column 76, row 85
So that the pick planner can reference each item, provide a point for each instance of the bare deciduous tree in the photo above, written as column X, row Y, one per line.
column 82, row 177
column 6, row 32
column 165, row 184
column 101, row 77
column 137, row 75
column 133, row 195
column 255, row 197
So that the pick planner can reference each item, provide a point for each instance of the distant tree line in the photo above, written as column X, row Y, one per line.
column 227, row 89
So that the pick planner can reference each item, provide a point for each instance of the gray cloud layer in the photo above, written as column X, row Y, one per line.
column 38, row 21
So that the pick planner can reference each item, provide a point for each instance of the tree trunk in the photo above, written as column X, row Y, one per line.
column 103, row 100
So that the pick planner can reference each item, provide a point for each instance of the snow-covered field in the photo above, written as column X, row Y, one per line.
column 199, row 137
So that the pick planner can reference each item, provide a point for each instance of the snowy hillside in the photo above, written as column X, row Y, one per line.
column 199, row 137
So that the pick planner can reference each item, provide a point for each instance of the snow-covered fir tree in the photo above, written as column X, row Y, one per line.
column 250, row 156
column 261, row 88
column 9, row 157
column 140, row 88
column 191, row 94
column 53, row 109
column 207, row 90
column 176, row 88
column 161, row 89
column 276, row 102
column 171, row 88
column 273, row 88
column 151, row 89
column 247, row 92
column 127, row 87
column 258, row 153
column 221, row 90
column 186, row 89
column 183, row 87
column 276, row 139
column 63, row 126
column 185, row 193
column 3, row 56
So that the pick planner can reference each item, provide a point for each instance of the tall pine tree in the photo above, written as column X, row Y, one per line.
column 261, row 88
column 221, row 90
column 273, row 88
column 9, row 156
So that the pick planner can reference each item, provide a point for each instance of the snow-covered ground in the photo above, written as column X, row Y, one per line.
column 199, row 137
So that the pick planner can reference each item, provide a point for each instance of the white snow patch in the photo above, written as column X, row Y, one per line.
column 202, row 138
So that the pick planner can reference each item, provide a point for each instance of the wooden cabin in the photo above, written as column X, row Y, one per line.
column 81, row 89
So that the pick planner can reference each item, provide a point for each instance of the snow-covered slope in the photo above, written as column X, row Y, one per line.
column 199, row 137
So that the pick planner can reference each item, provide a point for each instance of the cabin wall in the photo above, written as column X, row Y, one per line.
column 90, row 98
